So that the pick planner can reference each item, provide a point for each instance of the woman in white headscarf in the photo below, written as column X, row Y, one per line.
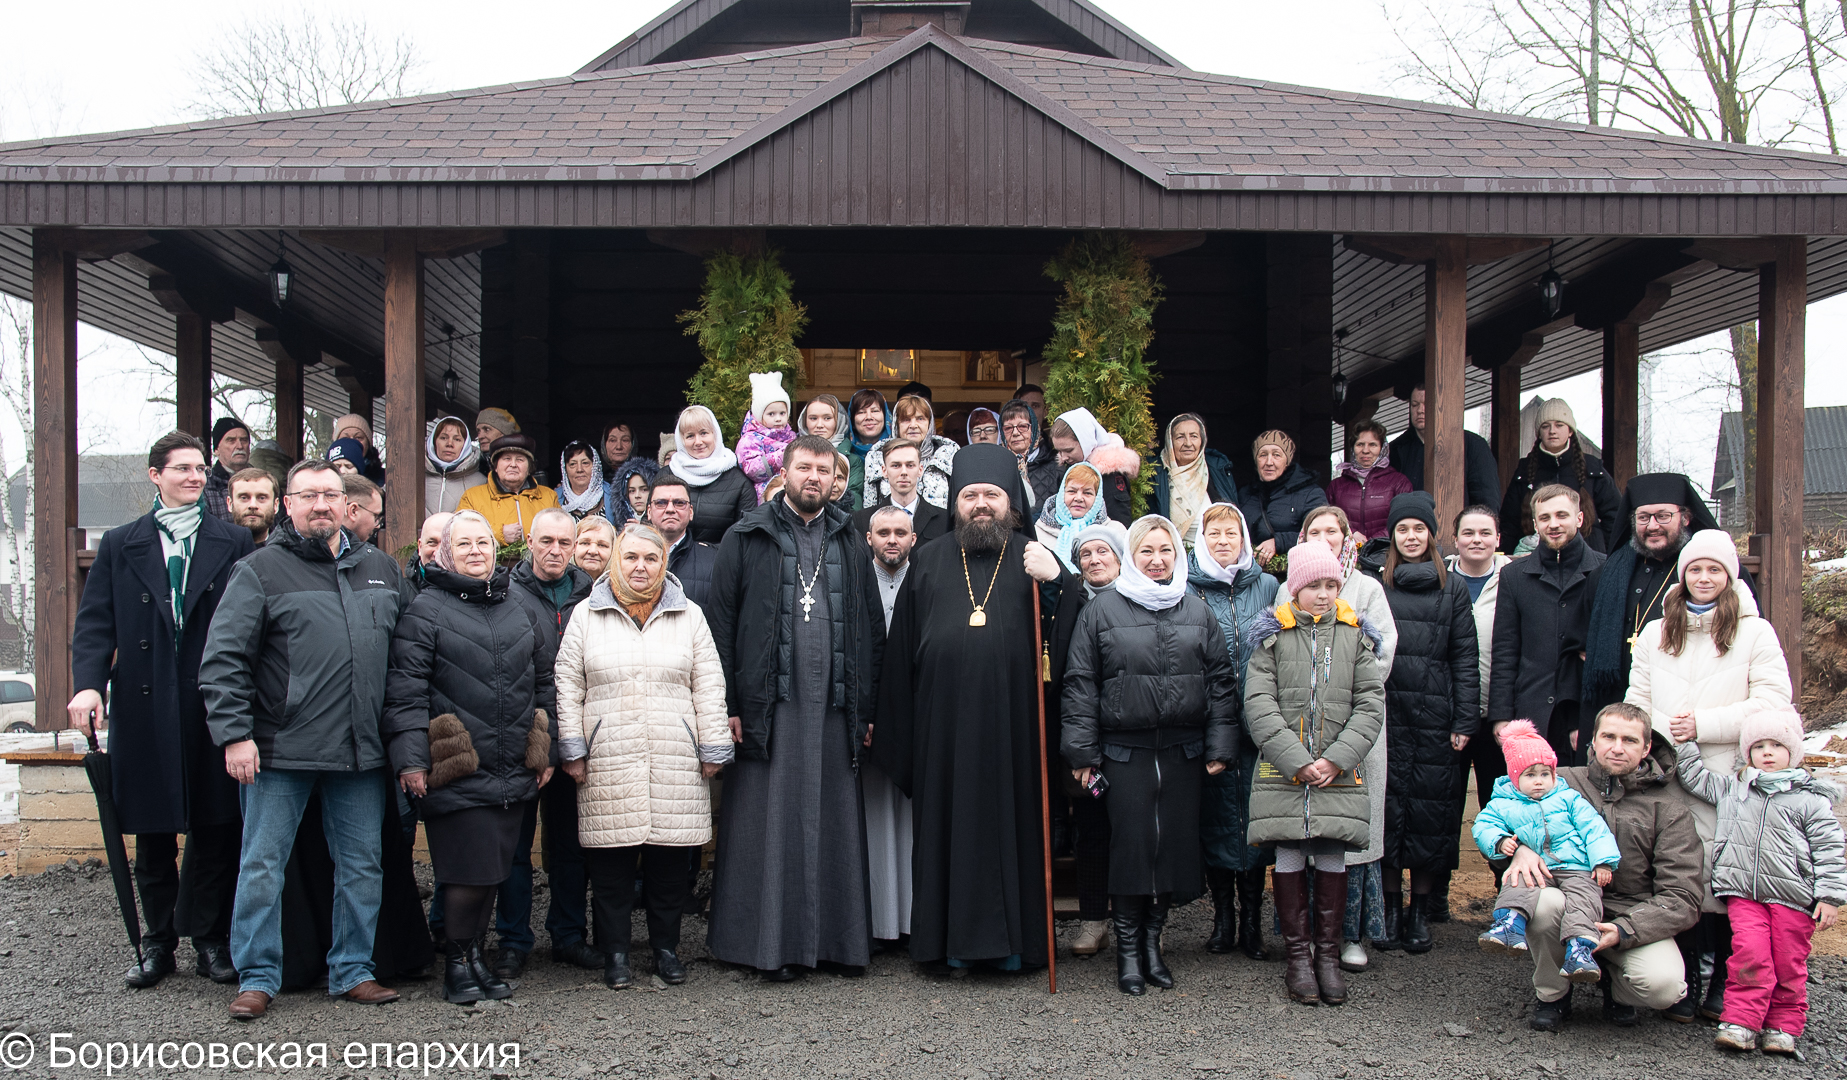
column 719, row 490
column 1150, row 702
column 449, row 460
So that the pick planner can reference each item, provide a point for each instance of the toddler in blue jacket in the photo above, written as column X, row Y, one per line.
column 1531, row 809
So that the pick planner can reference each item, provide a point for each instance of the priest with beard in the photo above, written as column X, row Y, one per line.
column 958, row 726
column 1660, row 511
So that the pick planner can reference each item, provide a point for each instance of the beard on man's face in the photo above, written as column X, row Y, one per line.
column 984, row 531
column 805, row 501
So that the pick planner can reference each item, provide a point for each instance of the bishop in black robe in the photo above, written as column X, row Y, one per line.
column 958, row 731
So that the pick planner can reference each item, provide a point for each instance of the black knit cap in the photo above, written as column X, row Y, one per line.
column 988, row 463
column 1415, row 505
column 224, row 426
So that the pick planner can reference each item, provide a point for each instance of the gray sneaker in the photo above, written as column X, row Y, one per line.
column 1779, row 1042
column 1735, row 1037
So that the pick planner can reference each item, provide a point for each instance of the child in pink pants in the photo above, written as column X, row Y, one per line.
column 1780, row 867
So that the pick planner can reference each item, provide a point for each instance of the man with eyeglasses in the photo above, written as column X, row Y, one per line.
column 365, row 507
column 231, row 446
column 294, row 684
column 1659, row 512
column 670, row 511
column 141, row 629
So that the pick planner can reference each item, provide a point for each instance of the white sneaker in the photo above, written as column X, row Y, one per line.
column 1779, row 1042
column 1735, row 1037
column 1353, row 957
column 1091, row 937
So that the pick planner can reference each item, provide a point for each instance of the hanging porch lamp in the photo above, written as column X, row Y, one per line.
column 281, row 277
column 1551, row 288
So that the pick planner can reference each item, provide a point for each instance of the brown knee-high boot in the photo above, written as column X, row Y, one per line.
column 1330, row 917
column 1298, row 946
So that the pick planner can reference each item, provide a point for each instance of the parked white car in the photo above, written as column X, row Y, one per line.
column 16, row 702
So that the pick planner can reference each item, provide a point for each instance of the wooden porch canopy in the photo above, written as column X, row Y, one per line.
column 993, row 114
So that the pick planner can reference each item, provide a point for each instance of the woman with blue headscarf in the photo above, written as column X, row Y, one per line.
column 1076, row 505
column 871, row 425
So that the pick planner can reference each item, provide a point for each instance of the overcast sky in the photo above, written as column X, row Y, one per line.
column 133, row 72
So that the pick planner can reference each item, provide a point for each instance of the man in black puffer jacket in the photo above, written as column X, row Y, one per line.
column 294, row 683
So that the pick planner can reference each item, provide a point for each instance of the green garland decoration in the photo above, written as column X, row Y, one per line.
column 1099, row 346
column 747, row 321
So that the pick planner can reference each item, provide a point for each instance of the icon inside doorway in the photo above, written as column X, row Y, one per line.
column 887, row 365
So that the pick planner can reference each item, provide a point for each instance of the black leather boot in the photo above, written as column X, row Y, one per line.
column 1394, row 923
column 1127, row 915
column 460, row 987
column 156, row 964
column 1714, row 1006
column 1154, row 965
column 616, row 973
column 1250, row 913
column 212, row 959
column 492, row 985
column 1416, row 926
column 1686, row 1009
column 668, row 966
column 1223, row 885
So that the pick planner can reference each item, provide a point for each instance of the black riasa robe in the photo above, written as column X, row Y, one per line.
column 957, row 730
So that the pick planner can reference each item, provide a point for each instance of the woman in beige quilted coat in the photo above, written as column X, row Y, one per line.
column 642, row 729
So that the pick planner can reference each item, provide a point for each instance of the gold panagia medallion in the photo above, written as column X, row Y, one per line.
column 979, row 618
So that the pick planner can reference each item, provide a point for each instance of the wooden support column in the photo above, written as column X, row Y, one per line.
column 358, row 401
column 192, row 365
column 1446, row 330
column 1621, row 400
column 54, row 475
column 291, row 356
column 1782, row 307
column 1506, row 420
column 404, row 390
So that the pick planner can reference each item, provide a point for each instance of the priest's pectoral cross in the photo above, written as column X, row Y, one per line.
column 807, row 603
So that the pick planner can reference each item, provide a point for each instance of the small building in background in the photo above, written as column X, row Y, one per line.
column 1824, row 470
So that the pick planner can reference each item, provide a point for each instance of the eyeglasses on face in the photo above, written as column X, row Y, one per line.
column 670, row 504
column 188, row 470
column 318, row 498
column 1663, row 517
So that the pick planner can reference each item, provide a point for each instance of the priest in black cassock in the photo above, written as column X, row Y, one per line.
column 1660, row 511
column 958, row 724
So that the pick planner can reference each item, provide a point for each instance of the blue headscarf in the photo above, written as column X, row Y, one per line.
column 859, row 401
column 1057, row 516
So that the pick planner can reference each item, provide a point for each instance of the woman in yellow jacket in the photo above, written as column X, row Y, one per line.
column 510, row 497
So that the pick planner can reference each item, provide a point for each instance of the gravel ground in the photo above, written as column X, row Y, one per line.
column 1450, row 1013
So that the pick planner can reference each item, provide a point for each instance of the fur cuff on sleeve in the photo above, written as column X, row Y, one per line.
column 539, row 742
column 452, row 752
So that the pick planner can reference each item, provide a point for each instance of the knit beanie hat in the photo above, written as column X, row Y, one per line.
column 1714, row 544
column 1778, row 725
column 1413, row 506
column 1556, row 409
column 349, row 451
column 1524, row 747
column 224, row 426
column 765, row 387
column 356, row 422
column 1309, row 562
column 499, row 419
column 1113, row 533
column 1277, row 438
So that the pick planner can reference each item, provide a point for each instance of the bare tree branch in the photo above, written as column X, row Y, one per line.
column 309, row 60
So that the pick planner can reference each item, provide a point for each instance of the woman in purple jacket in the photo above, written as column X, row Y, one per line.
column 1365, row 484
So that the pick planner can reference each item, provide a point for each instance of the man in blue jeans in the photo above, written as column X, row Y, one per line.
column 294, row 684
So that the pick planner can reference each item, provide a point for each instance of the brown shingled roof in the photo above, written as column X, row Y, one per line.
column 1186, row 130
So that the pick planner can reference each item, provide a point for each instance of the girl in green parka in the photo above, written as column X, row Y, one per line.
column 1314, row 704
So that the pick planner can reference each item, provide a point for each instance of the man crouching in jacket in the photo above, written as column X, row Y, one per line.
column 1657, row 889
column 294, row 685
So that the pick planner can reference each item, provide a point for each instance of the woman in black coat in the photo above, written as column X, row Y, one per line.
column 468, row 716
column 719, row 490
column 1558, row 457
column 1431, row 708
column 1282, row 496
column 1150, row 701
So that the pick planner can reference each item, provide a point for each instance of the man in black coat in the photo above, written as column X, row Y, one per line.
column 140, row 632
column 670, row 511
column 1483, row 480
column 558, row 587
column 1539, row 625
column 231, row 445
column 903, row 467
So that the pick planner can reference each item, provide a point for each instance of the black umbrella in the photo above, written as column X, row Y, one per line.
column 100, row 770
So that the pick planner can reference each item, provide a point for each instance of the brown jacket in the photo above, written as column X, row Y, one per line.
column 1662, row 879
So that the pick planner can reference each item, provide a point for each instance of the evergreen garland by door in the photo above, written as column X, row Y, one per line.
column 747, row 320
column 1100, row 337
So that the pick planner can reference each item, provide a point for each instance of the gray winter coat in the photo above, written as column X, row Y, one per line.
column 297, row 653
column 1341, row 725
column 1777, row 849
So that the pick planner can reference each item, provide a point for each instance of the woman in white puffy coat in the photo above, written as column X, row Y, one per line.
column 1702, row 670
column 642, row 729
